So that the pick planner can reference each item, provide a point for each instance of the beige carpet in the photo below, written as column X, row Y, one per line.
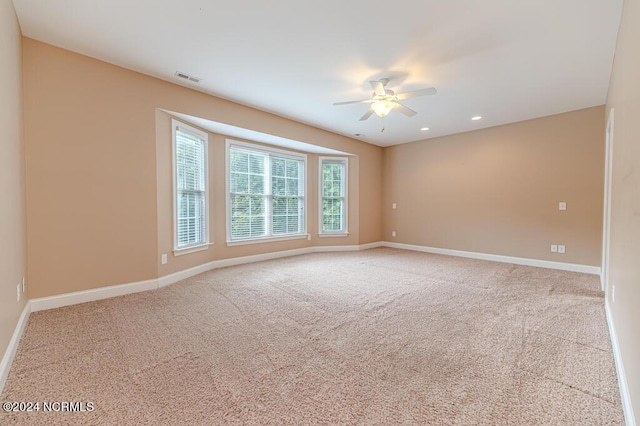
column 382, row 336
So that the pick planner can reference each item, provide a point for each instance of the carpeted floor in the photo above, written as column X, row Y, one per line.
column 381, row 336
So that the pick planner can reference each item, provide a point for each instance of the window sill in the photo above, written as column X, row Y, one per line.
column 192, row 249
column 333, row 235
column 268, row 240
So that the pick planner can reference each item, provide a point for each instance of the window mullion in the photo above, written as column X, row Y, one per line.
column 268, row 208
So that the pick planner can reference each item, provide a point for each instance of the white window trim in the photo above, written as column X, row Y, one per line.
column 191, row 249
column 269, row 151
column 178, row 251
column 345, row 233
column 259, row 240
column 333, row 234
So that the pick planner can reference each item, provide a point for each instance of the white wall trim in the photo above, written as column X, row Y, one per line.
column 10, row 353
column 222, row 263
column 325, row 249
column 84, row 296
column 606, row 215
column 573, row 267
column 371, row 245
column 627, row 408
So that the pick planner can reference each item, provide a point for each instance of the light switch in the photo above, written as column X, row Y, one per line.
column 562, row 205
column 393, row 206
column 554, row 248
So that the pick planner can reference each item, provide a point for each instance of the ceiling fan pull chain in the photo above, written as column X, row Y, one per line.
column 382, row 130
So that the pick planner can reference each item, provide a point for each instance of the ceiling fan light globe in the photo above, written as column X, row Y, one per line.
column 382, row 108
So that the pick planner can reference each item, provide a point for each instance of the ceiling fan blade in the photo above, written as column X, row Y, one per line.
column 403, row 109
column 415, row 93
column 363, row 101
column 378, row 88
column 366, row 115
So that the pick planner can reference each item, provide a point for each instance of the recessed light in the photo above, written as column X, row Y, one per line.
column 476, row 118
column 424, row 129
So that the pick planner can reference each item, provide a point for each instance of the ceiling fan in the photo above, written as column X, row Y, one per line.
column 384, row 100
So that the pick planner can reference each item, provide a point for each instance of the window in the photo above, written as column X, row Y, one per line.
column 191, row 219
column 266, row 193
column 333, row 196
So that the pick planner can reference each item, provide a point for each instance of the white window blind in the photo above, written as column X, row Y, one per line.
column 248, row 202
column 266, row 192
column 190, row 168
column 333, row 175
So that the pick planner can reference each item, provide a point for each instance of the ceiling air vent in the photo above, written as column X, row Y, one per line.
column 187, row 77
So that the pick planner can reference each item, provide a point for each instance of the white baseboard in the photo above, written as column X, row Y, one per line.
column 326, row 249
column 223, row 263
column 371, row 245
column 10, row 353
column 627, row 408
column 594, row 270
column 84, row 296
column 120, row 290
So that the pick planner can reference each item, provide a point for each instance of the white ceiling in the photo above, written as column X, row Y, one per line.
column 507, row 60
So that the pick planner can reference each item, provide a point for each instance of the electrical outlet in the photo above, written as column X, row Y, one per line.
column 18, row 292
column 554, row 248
column 393, row 233
column 561, row 249
column 164, row 259
column 394, row 205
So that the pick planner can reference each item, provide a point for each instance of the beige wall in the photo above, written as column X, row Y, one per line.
column 624, row 272
column 98, row 167
column 12, row 209
column 497, row 190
